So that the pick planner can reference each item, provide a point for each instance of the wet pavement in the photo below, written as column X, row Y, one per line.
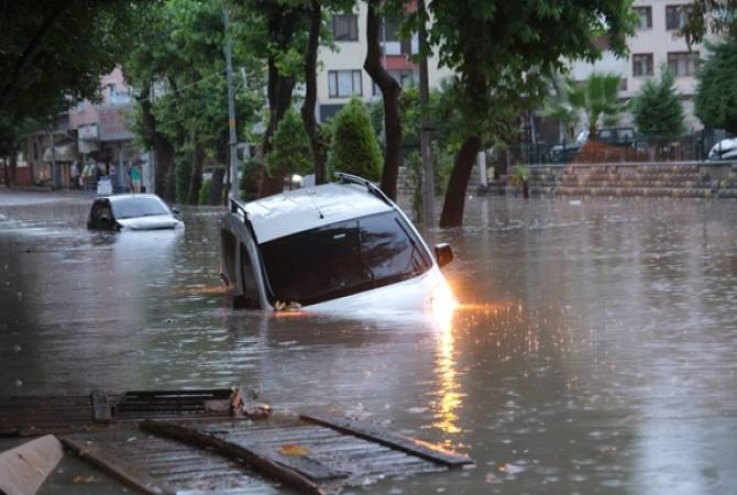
column 593, row 352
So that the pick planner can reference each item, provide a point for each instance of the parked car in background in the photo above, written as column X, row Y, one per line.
column 726, row 149
column 132, row 212
column 341, row 246
column 566, row 152
column 612, row 136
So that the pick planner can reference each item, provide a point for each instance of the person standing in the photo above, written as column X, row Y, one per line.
column 74, row 175
column 136, row 178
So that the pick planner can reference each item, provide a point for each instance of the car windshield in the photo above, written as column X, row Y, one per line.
column 138, row 207
column 342, row 259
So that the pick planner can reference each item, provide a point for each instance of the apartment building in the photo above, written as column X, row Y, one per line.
column 655, row 45
column 341, row 75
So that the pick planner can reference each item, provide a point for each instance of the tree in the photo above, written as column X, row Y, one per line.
column 390, row 90
column 719, row 16
column 178, row 49
column 716, row 92
column 53, row 55
column 354, row 146
column 504, row 54
column 599, row 97
column 291, row 152
column 565, row 105
column 658, row 110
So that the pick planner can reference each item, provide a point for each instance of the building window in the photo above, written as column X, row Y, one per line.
column 345, row 27
column 645, row 15
column 675, row 17
column 344, row 83
column 642, row 64
column 684, row 63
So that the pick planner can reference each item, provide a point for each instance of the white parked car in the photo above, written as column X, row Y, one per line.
column 340, row 246
column 726, row 149
column 132, row 212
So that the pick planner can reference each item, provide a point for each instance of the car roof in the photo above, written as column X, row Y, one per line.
column 118, row 197
column 310, row 208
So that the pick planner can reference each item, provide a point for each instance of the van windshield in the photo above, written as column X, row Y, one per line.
column 138, row 207
column 342, row 259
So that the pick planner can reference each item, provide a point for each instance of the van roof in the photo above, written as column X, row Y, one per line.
column 310, row 208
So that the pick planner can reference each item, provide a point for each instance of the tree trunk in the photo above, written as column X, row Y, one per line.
column 216, row 189
column 455, row 195
column 390, row 91
column 281, row 27
column 163, row 149
column 195, row 179
column 308, row 108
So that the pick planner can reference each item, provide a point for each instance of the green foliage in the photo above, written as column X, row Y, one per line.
column 249, row 177
column 497, row 80
column 597, row 98
column 204, row 193
column 53, row 55
column 414, row 181
column 702, row 16
column 354, row 147
column 291, row 153
column 658, row 110
column 182, row 172
column 520, row 174
column 716, row 93
column 600, row 99
column 442, row 166
column 177, row 48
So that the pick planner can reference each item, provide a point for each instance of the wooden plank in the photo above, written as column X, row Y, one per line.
column 100, row 407
column 257, row 459
column 114, row 465
column 417, row 448
column 24, row 468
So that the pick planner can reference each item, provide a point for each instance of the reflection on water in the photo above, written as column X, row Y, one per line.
column 592, row 350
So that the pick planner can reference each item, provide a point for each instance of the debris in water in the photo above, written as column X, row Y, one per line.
column 294, row 450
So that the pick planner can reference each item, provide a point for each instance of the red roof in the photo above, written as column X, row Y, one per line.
column 398, row 62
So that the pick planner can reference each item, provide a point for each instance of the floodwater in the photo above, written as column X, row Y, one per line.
column 593, row 351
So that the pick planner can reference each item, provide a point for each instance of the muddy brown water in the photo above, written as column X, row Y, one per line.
column 593, row 351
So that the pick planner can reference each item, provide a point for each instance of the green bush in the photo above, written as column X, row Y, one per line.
column 414, row 181
column 716, row 94
column 658, row 110
column 204, row 194
column 182, row 173
column 249, row 178
column 291, row 153
column 354, row 146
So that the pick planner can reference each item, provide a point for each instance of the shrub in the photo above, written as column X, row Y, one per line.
column 658, row 110
column 182, row 173
column 249, row 179
column 204, row 194
column 354, row 146
column 716, row 94
column 291, row 153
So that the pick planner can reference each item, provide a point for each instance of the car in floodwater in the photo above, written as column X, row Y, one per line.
column 132, row 212
column 726, row 149
column 340, row 246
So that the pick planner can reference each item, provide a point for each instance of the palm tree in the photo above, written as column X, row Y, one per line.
column 597, row 97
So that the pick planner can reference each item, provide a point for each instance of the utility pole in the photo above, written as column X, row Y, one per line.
column 428, row 179
column 233, row 185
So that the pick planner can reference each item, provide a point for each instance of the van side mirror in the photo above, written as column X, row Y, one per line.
column 443, row 254
column 175, row 211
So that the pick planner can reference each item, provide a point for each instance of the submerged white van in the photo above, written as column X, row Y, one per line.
column 337, row 246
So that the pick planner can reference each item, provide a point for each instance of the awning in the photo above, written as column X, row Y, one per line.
column 65, row 152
